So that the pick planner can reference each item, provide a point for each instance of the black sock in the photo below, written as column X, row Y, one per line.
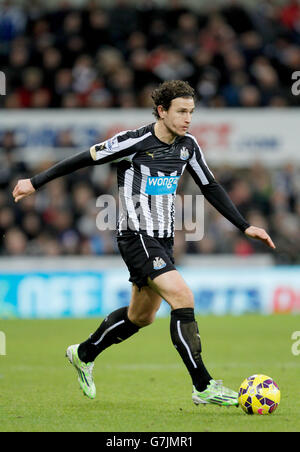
column 186, row 340
column 115, row 328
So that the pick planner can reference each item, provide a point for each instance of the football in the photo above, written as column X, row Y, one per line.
column 259, row 394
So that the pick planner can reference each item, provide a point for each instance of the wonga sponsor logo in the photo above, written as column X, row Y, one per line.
column 161, row 185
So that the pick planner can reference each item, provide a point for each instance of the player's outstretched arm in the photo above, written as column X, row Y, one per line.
column 260, row 234
column 26, row 187
column 114, row 149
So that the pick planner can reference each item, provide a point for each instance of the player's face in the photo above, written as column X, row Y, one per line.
column 179, row 116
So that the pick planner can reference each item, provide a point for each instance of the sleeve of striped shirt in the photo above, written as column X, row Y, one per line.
column 119, row 147
column 62, row 168
column 212, row 190
column 198, row 167
column 115, row 149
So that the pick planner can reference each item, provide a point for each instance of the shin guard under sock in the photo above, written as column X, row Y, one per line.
column 186, row 339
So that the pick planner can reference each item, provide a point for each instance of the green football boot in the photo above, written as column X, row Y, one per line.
column 84, row 370
column 215, row 393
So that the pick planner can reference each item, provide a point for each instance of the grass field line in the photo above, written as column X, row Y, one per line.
column 161, row 366
column 129, row 367
column 153, row 366
column 142, row 366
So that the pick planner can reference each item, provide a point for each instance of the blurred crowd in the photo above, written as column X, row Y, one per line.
column 63, row 217
column 112, row 57
column 98, row 57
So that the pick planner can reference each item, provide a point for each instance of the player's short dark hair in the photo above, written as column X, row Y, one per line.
column 169, row 90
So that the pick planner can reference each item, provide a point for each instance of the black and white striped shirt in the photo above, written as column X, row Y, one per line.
column 148, row 174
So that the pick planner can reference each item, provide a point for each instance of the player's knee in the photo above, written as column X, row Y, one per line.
column 183, row 298
column 141, row 320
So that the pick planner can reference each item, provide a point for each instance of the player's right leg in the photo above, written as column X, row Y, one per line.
column 115, row 328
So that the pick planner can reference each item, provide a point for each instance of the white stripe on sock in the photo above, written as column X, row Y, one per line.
column 108, row 330
column 185, row 344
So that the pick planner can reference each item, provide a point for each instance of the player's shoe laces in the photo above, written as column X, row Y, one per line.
column 84, row 370
column 215, row 393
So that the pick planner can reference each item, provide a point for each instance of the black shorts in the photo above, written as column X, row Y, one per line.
column 146, row 256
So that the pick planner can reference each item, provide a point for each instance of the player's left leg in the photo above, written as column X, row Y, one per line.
column 186, row 339
column 183, row 326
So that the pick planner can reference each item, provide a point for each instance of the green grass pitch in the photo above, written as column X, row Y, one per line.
column 142, row 385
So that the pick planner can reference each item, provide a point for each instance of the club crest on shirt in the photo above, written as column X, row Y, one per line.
column 112, row 144
column 184, row 153
column 158, row 263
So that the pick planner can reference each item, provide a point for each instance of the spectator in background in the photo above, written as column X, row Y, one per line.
column 14, row 242
column 32, row 82
column 12, row 22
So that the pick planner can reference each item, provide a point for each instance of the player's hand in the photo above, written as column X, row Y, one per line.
column 23, row 188
column 258, row 233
